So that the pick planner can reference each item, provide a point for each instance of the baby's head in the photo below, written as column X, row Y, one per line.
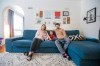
column 51, row 32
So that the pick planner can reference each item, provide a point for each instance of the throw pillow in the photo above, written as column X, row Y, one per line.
column 71, row 37
column 76, row 38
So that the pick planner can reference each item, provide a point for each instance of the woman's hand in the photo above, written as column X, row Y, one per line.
column 49, row 38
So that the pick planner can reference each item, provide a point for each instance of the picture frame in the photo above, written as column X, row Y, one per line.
column 64, row 20
column 41, row 14
column 68, row 20
column 65, row 13
column 57, row 14
column 91, row 15
column 48, row 14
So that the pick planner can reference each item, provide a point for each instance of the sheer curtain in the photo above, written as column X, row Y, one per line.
column 11, row 21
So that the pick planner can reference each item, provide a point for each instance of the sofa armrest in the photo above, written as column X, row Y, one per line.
column 9, row 43
column 15, row 38
column 92, row 39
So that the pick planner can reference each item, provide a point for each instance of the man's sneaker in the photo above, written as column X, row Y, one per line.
column 65, row 55
column 69, row 58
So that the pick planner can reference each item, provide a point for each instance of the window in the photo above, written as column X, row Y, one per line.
column 18, row 25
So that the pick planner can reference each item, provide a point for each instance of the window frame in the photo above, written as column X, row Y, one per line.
column 23, row 24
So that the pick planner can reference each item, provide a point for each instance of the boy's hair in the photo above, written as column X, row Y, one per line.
column 51, row 30
column 57, row 24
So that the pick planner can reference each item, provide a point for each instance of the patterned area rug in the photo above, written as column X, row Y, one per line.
column 39, row 59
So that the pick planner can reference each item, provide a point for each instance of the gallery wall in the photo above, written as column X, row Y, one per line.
column 90, row 30
column 31, row 7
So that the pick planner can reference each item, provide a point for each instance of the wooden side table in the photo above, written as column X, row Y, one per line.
column 2, row 48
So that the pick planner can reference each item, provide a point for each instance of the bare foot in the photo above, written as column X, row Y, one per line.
column 29, row 58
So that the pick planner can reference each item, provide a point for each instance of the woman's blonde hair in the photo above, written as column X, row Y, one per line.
column 43, row 25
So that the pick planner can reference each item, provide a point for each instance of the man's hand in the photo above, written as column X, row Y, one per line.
column 64, row 33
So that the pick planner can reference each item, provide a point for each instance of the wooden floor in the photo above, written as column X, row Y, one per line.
column 2, row 48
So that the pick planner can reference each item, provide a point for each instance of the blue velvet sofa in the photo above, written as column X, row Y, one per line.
column 83, row 53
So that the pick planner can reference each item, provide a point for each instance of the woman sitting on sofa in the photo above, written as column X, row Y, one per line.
column 41, row 35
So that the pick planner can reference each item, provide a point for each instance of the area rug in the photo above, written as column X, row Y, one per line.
column 39, row 59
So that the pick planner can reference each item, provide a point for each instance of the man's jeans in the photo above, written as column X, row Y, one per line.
column 62, row 44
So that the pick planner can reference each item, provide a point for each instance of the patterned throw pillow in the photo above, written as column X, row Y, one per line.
column 71, row 37
column 76, row 38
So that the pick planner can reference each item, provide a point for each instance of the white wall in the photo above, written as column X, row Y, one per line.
column 90, row 30
column 73, row 6
column 1, row 27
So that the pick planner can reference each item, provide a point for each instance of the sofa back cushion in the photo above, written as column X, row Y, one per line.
column 29, row 34
column 72, row 32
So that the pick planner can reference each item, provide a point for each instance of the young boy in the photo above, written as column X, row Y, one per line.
column 52, row 36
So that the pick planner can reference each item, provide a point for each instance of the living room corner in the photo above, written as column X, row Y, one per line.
column 26, row 28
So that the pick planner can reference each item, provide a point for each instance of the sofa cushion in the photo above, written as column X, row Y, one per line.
column 85, row 49
column 48, row 44
column 22, row 43
column 72, row 32
column 47, row 50
column 29, row 34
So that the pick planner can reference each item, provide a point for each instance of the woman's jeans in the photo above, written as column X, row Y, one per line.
column 35, row 44
column 62, row 44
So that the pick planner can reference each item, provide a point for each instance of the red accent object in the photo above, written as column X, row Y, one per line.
column 57, row 14
column 52, row 37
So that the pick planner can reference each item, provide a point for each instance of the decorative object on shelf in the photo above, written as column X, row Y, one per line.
column 48, row 14
column 91, row 16
column 57, row 14
column 68, row 20
column 65, row 13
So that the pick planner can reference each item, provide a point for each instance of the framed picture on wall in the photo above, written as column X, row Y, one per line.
column 64, row 20
column 48, row 14
column 68, row 20
column 91, row 15
column 57, row 14
column 65, row 13
column 41, row 14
